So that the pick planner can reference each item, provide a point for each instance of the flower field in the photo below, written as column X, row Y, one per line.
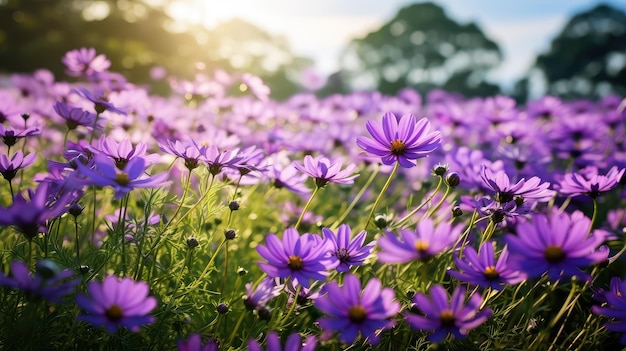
column 216, row 218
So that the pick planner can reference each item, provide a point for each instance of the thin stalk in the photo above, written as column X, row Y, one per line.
column 182, row 200
column 306, row 207
column 356, row 199
column 77, row 242
column 93, row 130
column 415, row 210
column 380, row 195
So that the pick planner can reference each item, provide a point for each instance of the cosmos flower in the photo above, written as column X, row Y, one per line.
column 9, row 167
column 557, row 244
column 48, row 281
column 325, row 171
column 258, row 297
column 190, row 151
column 422, row 244
column 293, row 343
column 85, row 62
column 216, row 159
column 194, row 343
column 352, row 311
column 483, row 270
column 11, row 135
column 123, row 151
column 74, row 116
column 105, row 173
column 349, row 252
column 614, row 307
column 289, row 178
column 299, row 257
column 531, row 189
column 115, row 303
column 590, row 183
column 100, row 101
column 400, row 141
column 447, row 315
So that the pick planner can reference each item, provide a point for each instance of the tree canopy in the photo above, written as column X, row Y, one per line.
column 423, row 48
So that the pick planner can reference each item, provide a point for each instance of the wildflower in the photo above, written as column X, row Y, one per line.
column 289, row 178
column 445, row 315
column 11, row 135
column 293, row 343
column 300, row 257
column 74, row 116
column 9, row 167
column 615, row 307
column 31, row 217
column 531, row 189
column 216, row 159
column 190, row 152
column 84, row 62
column 256, row 86
column 482, row 268
column 48, row 282
column 324, row 171
column 100, row 101
column 123, row 181
column 349, row 252
column 400, row 141
column 557, row 244
column 350, row 310
column 115, row 303
column 258, row 297
column 590, row 183
column 123, row 151
column 426, row 242
column 194, row 343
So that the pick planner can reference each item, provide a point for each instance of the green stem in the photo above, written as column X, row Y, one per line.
column 77, row 242
column 443, row 198
column 306, row 207
column 200, row 200
column 234, row 333
column 380, row 195
column 415, row 210
column 356, row 199
column 95, row 123
column 182, row 201
column 595, row 214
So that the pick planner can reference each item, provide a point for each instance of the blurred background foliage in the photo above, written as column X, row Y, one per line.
column 421, row 47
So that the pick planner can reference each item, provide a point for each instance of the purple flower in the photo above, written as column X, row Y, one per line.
column 190, row 152
column 84, row 62
column 100, row 101
column 401, row 141
column 350, row 310
column 256, row 85
column 482, row 268
column 300, row 257
column 590, row 183
column 123, row 181
column 194, row 343
column 288, row 177
column 74, row 116
column 293, row 343
column 10, row 135
column 48, row 282
column 426, row 242
column 615, row 307
column 216, row 159
column 9, row 167
column 258, row 297
column 123, row 151
column 531, row 189
column 557, row 244
column 445, row 315
column 324, row 171
column 349, row 252
column 116, row 303
column 30, row 218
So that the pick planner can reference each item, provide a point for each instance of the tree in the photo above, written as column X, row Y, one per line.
column 588, row 57
column 421, row 47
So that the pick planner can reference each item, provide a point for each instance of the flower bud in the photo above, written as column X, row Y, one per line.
column 222, row 308
column 230, row 234
column 242, row 271
column 440, row 169
column 233, row 205
column 192, row 242
column 453, row 179
column 47, row 269
column 457, row 212
column 75, row 210
column 381, row 221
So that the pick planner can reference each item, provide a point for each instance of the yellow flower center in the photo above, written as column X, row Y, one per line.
column 447, row 318
column 490, row 273
column 357, row 314
column 421, row 246
column 122, row 179
column 398, row 147
column 554, row 254
column 295, row 263
column 114, row 313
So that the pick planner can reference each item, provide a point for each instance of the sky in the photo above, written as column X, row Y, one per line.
column 319, row 29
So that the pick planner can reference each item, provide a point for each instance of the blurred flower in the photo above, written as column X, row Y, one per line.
column 483, row 270
column 401, row 141
column 123, row 181
column 74, row 116
column 256, row 86
column 194, row 343
column 556, row 244
column 299, row 257
column 531, row 189
column 293, row 343
column 288, row 177
column 123, row 151
column 615, row 308
column 324, row 171
column 216, row 159
column 10, row 135
column 48, row 282
column 258, row 297
column 115, row 303
column 84, row 62
column 445, row 315
column 349, row 252
column 100, row 101
column 189, row 151
column 590, row 183
column 9, row 167
column 350, row 310
column 422, row 244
